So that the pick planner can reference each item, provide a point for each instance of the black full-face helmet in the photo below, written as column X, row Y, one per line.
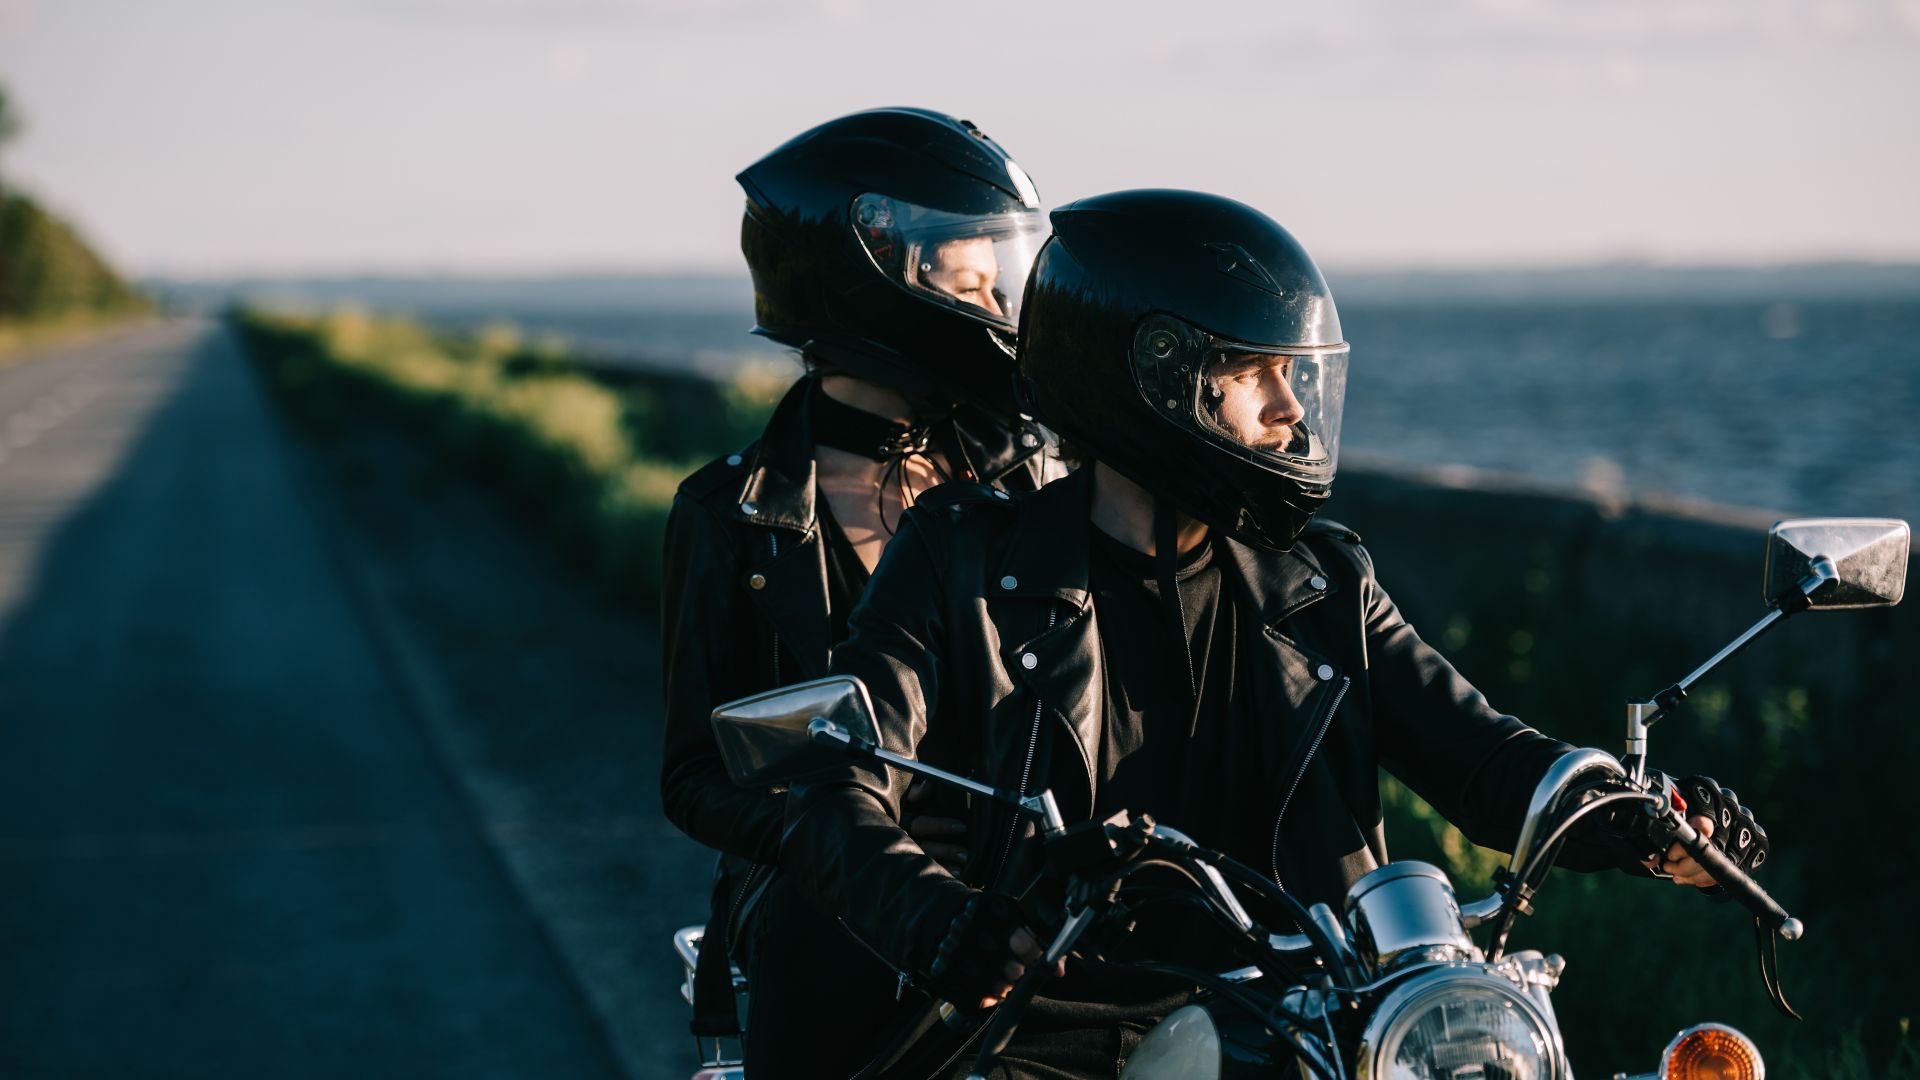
column 1189, row 342
column 894, row 245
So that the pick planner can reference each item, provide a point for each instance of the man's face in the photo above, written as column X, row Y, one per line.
column 1250, row 397
column 966, row 270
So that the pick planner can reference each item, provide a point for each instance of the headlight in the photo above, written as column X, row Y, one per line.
column 1459, row 1024
column 1712, row 1052
column 1184, row 1045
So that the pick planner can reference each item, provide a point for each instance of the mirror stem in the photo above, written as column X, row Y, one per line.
column 1642, row 714
column 822, row 730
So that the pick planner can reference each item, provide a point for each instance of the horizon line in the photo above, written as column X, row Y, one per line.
column 452, row 273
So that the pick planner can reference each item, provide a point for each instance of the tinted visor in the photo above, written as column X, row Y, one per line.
column 1274, row 404
column 975, row 264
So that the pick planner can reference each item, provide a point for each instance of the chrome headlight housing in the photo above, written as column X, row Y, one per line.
column 1185, row 1044
column 1212, row 1042
column 1460, row 1022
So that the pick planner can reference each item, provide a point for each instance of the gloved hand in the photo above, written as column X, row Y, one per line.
column 973, row 959
column 1735, row 832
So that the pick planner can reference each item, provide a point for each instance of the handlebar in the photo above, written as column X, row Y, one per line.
column 1735, row 880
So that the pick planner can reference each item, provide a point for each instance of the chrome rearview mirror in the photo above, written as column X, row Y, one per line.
column 1868, row 558
column 1811, row 563
column 764, row 739
column 809, row 727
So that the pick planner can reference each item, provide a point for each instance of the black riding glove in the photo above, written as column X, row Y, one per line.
column 968, row 959
column 1628, row 831
column 1735, row 833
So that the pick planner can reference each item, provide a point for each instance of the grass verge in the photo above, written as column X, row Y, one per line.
column 595, row 465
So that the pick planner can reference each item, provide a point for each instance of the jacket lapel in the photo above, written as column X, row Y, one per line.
column 790, row 589
column 1293, row 685
column 1049, row 637
column 786, row 569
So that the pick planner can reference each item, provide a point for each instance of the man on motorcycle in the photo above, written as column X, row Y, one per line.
column 889, row 247
column 1168, row 630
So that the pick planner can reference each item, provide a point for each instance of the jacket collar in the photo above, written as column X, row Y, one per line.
column 999, row 454
column 1048, row 557
column 1279, row 583
column 1048, row 554
column 779, row 489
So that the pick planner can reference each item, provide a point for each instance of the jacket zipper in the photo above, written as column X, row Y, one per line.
column 1325, row 723
column 733, row 911
column 1026, row 770
column 903, row 980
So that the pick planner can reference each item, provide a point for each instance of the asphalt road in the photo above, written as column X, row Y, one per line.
column 226, row 845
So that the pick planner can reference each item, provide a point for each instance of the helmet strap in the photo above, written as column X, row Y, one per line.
column 944, row 431
column 857, row 431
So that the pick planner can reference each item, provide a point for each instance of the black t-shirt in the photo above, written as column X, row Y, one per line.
column 1164, row 753
column 1161, row 750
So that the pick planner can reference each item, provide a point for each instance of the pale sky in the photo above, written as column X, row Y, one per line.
column 308, row 136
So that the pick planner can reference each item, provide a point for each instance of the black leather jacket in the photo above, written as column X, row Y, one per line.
column 746, row 604
column 977, row 641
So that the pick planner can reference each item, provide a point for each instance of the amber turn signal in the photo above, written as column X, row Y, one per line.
column 1712, row 1052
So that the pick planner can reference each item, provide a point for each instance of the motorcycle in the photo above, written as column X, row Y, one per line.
column 719, row 1052
column 1393, row 987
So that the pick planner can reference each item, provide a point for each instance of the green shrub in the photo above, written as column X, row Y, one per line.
column 596, row 460
column 49, row 274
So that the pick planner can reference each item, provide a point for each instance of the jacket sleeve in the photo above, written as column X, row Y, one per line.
column 1438, row 734
column 844, row 845
column 705, row 624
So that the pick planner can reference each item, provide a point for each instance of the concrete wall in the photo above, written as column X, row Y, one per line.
column 1615, row 597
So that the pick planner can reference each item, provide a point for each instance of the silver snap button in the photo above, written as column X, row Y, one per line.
column 758, row 581
column 1317, row 581
column 1009, row 582
column 749, row 509
column 1029, row 661
column 733, row 459
column 1325, row 672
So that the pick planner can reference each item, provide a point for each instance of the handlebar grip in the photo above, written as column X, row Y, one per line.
column 1005, row 1018
column 1735, row 880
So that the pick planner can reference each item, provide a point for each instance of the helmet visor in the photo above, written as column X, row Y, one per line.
column 1276, row 405
column 976, row 264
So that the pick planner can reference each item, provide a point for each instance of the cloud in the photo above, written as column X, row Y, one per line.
column 566, row 59
column 1613, row 44
column 639, row 13
column 17, row 17
column 1672, row 22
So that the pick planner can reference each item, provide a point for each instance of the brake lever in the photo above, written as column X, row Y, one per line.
column 1766, row 910
column 1770, row 920
column 1769, row 947
column 1006, row 1019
